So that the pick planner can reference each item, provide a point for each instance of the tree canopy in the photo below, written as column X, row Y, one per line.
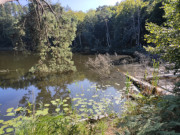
column 166, row 37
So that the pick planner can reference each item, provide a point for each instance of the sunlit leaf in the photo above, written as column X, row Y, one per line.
column 1, row 121
column 1, row 132
column 95, row 96
column 8, row 130
column 17, row 124
column 57, row 109
column 65, row 109
column 83, row 106
column 42, row 112
column 64, row 100
column 9, row 110
column 53, row 102
column 19, row 109
column 57, row 100
column 10, row 114
column 65, row 105
column 47, row 105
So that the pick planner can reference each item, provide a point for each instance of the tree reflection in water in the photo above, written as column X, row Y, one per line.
column 45, row 88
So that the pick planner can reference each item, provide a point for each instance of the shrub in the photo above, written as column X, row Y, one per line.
column 152, row 115
column 102, row 65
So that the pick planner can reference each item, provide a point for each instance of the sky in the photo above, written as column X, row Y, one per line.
column 83, row 5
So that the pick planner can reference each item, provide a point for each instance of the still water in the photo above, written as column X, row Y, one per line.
column 17, row 88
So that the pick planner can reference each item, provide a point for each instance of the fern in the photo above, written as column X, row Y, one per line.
column 154, row 115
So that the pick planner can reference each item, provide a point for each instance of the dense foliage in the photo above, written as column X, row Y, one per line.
column 152, row 115
column 52, row 38
column 167, row 36
column 49, row 34
column 106, row 28
column 159, row 114
column 10, row 14
column 113, row 28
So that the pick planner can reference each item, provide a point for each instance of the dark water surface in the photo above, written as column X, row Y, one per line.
column 17, row 88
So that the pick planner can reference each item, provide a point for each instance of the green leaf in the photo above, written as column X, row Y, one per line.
column 54, row 102
column 89, row 103
column 57, row 109
column 17, row 124
column 19, row 109
column 1, row 132
column 83, row 106
column 10, row 114
column 1, row 121
column 65, row 109
column 9, row 110
column 8, row 130
column 65, row 100
column 57, row 100
column 47, row 105
column 42, row 112
column 95, row 96
column 65, row 105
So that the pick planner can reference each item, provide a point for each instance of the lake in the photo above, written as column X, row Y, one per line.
column 18, row 88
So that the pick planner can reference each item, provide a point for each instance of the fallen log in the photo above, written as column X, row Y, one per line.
column 165, row 76
column 145, row 86
column 7, row 70
column 133, row 91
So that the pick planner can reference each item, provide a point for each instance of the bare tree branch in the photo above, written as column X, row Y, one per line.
column 39, row 3
column 49, row 7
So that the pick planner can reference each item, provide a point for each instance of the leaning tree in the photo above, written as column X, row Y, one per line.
column 52, row 32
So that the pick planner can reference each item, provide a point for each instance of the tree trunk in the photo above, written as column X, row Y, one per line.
column 80, row 40
column 139, row 25
column 107, row 35
column 134, row 28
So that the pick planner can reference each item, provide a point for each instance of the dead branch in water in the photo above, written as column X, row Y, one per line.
column 102, row 65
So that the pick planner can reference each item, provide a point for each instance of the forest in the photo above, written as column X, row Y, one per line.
column 110, row 70
column 108, row 28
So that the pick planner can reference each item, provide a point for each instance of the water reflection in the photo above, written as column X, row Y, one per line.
column 17, row 87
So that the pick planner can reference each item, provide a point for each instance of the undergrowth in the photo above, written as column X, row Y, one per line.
column 152, row 115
